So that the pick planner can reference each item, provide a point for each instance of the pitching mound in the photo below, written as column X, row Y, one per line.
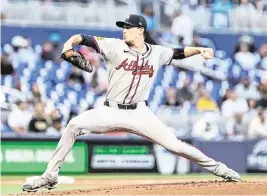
column 211, row 187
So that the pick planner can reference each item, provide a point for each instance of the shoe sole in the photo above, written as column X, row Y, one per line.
column 51, row 187
column 35, row 190
column 233, row 180
column 30, row 190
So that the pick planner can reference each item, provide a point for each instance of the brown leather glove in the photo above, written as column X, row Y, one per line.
column 77, row 59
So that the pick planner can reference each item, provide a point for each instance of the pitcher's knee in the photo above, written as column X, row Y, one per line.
column 72, row 125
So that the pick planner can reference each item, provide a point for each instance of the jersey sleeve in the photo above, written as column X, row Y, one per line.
column 166, row 55
column 106, row 47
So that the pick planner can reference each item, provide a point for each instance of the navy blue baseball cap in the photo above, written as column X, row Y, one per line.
column 133, row 20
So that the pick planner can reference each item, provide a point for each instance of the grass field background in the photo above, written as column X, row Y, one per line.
column 15, row 187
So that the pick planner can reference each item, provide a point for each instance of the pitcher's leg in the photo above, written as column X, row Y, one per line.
column 168, row 140
column 63, row 148
column 95, row 121
column 50, row 177
column 92, row 121
column 151, row 127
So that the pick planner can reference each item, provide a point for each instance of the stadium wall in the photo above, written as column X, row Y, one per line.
column 103, row 155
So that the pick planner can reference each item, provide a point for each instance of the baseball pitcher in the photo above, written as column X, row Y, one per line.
column 132, row 67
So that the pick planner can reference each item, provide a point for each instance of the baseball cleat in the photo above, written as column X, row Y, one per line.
column 38, row 183
column 226, row 173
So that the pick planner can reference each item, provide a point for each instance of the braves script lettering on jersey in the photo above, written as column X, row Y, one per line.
column 130, row 76
column 135, row 68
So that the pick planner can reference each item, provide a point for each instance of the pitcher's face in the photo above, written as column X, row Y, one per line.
column 131, row 33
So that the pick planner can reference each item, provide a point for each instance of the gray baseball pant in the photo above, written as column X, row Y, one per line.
column 140, row 121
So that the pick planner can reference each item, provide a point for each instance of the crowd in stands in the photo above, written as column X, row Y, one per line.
column 41, row 93
column 51, row 90
column 236, row 15
column 192, row 104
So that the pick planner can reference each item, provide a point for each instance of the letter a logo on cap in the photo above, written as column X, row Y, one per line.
column 128, row 17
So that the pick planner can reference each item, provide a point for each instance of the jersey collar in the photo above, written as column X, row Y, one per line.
column 145, row 54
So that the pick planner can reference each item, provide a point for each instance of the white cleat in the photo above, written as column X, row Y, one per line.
column 38, row 183
column 226, row 173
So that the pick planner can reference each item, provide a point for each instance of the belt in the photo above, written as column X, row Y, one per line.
column 123, row 106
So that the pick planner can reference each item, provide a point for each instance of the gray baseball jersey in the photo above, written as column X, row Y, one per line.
column 131, row 74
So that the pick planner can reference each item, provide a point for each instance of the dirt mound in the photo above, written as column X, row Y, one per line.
column 211, row 187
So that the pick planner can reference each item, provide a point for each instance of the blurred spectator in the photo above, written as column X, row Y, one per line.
column 225, row 97
column 171, row 110
column 249, row 41
column 263, row 57
column 3, row 9
column 222, row 6
column 48, row 51
column 258, row 21
column 150, row 17
column 263, row 87
column 70, row 83
column 236, row 128
column 233, row 105
column 55, row 39
column 263, row 101
column 258, row 125
column 206, row 103
column 185, row 93
column 244, row 57
column 170, row 7
column 242, row 16
column 19, row 118
column 2, row 16
column 246, row 90
column 252, row 103
column 18, row 42
column 220, row 13
column 39, row 122
column 75, row 81
column 77, row 76
column 56, row 128
column 98, row 79
column 196, row 42
column 182, row 27
column 198, row 89
column 6, row 65
column 171, row 95
column 34, row 95
column 206, row 128
column 150, row 38
column 22, row 52
column 52, row 113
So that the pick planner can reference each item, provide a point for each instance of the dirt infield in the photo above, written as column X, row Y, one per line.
column 204, row 187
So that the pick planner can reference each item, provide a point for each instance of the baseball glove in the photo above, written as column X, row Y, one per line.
column 77, row 59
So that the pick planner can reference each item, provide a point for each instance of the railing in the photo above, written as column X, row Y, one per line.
column 104, row 13
column 99, row 14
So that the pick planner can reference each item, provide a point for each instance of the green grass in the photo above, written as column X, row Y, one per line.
column 11, row 189
column 139, row 176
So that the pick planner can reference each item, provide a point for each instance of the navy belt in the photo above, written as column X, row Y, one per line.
column 123, row 106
